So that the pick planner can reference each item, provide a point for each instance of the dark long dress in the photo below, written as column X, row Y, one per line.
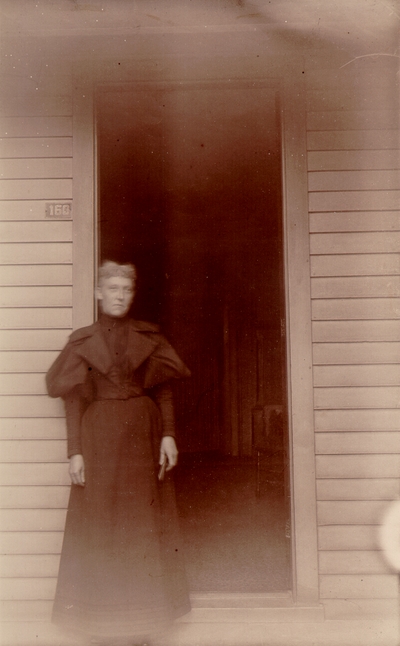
column 121, row 572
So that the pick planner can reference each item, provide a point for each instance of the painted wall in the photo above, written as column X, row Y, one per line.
column 36, row 318
column 354, row 240
column 354, row 198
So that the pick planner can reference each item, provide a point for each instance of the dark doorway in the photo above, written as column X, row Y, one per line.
column 190, row 191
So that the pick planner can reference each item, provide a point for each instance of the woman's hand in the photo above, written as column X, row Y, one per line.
column 77, row 470
column 168, row 451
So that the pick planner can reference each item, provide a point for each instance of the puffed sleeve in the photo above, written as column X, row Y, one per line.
column 164, row 364
column 69, row 378
column 69, row 369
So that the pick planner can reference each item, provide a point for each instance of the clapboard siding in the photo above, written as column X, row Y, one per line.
column 353, row 140
column 354, row 211
column 29, row 566
column 352, row 562
column 35, row 319
column 31, row 147
column 347, row 537
column 34, row 497
column 352, row 489
column 31, row 542
column 22, row 384
column 378, row 264
column 27, row 126
column 358, row 466
column 45, row 520
column 33, row 475
column 29, row 588
column 35, row 231
column 334, row 398
column 356, row 287
column 354, row 180
column 335, row 353
column 371, row 586
column 32, row 428
column 34, row 610
column 30, row 296
column 38, row 106
column 33, row 339
column 352, row 120
column 354, row 200
column 345, row 443
column 36, row 275
column 357, row 420
column 24, row 210
column 33, row 451
column 357, row 308
column 30, row 406
column 31, row 361
column 353, row 609
column 38, row 189
column 354, row 243
column 360, row 221
column 341, row 160
column 41, row 168
column 364, row 375
column 349, row 512
column 29, row 253
column 380, row 330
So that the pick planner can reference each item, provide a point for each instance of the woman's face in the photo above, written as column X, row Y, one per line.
column 115, row 295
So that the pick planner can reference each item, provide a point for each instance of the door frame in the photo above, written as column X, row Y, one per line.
column 291, row 81
column 299, row 340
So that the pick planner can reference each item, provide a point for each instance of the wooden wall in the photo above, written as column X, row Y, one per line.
column 353, row 164
column 35, row 320
column 354, row 218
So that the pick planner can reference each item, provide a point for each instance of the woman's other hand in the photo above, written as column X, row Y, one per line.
column 169, row 451
column 77, row 470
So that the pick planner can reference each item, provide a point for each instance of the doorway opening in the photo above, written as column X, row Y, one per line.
column 190, row 192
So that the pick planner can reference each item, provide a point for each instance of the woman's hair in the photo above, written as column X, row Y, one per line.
column 110, row 269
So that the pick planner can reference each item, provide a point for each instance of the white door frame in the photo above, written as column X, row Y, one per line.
column 298, row 299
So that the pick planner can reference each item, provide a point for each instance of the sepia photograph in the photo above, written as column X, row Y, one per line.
column 200, row 323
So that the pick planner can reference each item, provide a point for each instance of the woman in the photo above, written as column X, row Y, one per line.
column 121, row 574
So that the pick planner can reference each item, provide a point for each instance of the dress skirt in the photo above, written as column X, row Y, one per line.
column 122, row 571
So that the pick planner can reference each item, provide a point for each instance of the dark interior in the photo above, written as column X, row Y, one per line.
column 190, row 191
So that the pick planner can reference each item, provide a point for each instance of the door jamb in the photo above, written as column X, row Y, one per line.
column 298, row 300
column 84, row 225
column 299, row 340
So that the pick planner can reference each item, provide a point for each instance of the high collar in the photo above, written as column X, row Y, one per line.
column 94, row 347
column 113, row 322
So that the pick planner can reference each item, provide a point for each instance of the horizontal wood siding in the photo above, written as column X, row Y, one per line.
column 35, row 320
column 354, row 198
column 354, row 202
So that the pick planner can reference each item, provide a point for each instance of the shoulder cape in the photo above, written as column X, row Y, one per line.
column 87, row 349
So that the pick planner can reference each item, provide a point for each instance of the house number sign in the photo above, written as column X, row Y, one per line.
column 59, row 210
